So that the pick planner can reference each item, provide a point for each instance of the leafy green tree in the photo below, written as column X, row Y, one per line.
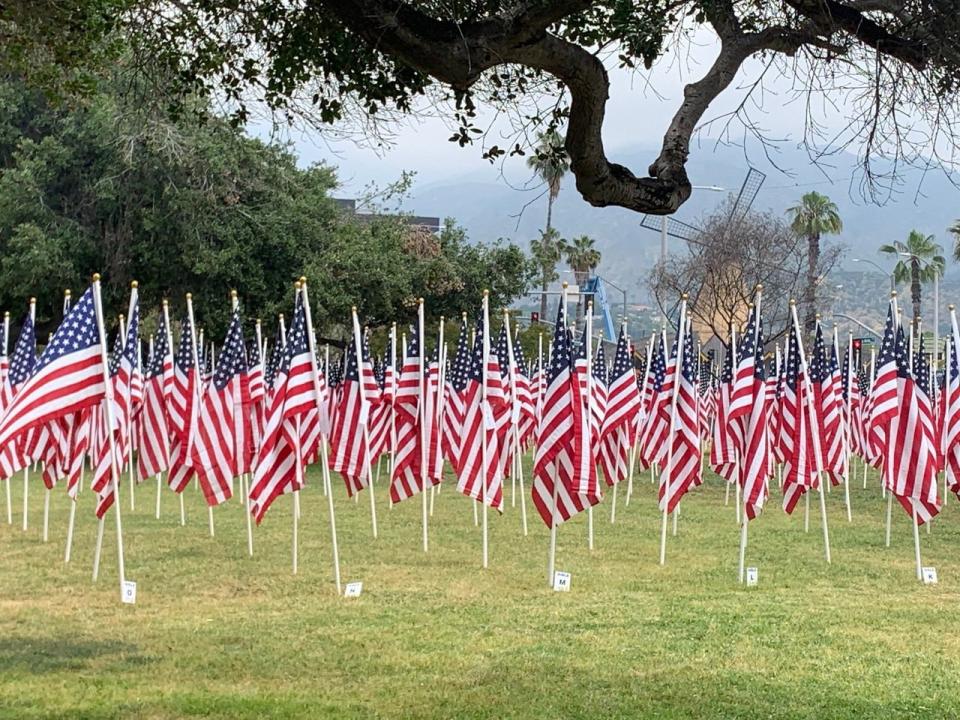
column 919, row 260
column 183, row 204
column 815, row 216
column 540, row 63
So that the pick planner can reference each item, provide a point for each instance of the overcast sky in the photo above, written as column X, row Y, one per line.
column 638, row 112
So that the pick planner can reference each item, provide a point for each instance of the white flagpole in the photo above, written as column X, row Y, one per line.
column 438, row 406
column 745, row 521
column 238, row 432
column 26, row 469
column 422, row 413
column 311, row 338
column 552, row 557
column 485, row 414
column 948, row 348
column 133, row 298
column 199, row 371
column 6, row 344
column 818, row 456
column 665, row 471
column 166, row 319
column 634, row 440
column 847, row 416
column 108, row 411
column 358, row 349
column 46, row 490
column 616, row 485
column 515, row 423
column 588, row 440
column 393, row 393
column 150, row 348
column 403, row 355
column 733, row 355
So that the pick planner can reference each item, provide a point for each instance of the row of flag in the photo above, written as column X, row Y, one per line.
column 260, row 415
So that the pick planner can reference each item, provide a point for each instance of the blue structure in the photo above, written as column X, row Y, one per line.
column 594, row 288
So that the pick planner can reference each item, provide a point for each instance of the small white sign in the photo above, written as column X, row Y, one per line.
column 752, row 576
column 561, row 581
column 353, row 589
column 929, row 575
column 364, row 413
column 129, row 592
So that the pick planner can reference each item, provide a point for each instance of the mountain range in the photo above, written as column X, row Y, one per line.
column 490, row 208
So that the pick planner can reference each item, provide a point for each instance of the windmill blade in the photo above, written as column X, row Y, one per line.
column 748, row 193
column 675, row 228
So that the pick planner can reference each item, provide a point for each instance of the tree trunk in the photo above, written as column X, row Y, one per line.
column 543, row 295
column 915, row 289
column 810, row 294
column 544, row 283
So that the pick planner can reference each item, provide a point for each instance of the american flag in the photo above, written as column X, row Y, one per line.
column 257, row 390
column 951, row 413
column 598, row 398
column 154, row 427
column 405, row 479
column 13, row 456
column 825, row 380
column 656, row 427
column 432, row 452
column 853, row 401
column 909, row 462
column 453, row 406
column 754, row 452
column 280, row 458
column 480, row 422
column 382, row 421
column 683, row 469
column 524, row 398
column 796, row 430
column 506, row 416
column 349, row 437
column 182, row 408
column 218, row 448
column 727, row 435
column 122, row 362
column 623, row 407
column 561, row 437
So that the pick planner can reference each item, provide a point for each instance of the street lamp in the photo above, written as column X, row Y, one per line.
column 878, row 267
column 664, row 218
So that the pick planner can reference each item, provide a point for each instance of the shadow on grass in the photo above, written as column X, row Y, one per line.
column 49, row 655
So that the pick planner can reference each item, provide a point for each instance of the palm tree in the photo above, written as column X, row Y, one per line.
column 955, row 231
column 918, row 261
column 551, row 163
column 816, row 215
column 547, row 250
column 583, row 258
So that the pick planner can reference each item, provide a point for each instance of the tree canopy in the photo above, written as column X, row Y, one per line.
column 358, row 64
column 186, row 206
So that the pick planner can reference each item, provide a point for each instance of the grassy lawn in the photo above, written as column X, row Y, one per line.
column 217, row 634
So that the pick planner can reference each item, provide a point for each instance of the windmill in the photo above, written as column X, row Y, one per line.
column 667, row 225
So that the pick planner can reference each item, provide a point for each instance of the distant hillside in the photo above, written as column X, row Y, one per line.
column 490, row 209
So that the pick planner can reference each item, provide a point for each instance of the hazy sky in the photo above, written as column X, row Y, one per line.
column 638, row 112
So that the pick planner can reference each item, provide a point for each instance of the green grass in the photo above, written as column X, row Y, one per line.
column 217, row 634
